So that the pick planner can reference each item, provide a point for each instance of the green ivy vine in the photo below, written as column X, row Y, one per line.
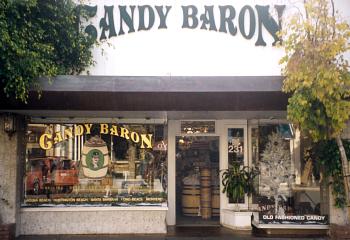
column 326, row 158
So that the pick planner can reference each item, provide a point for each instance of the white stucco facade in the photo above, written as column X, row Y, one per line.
column 178, row 51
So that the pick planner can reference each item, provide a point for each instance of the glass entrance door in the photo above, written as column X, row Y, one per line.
column 197, row 180
column 236, row 152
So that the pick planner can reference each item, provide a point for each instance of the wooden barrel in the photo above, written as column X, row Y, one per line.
column 190, row 200
column 215, row 200
column 206, row 211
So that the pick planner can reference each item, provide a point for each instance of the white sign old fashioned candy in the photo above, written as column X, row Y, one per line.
column 294, row 218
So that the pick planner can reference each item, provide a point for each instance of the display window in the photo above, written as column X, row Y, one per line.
column 197, row 127
column 95, row 164
column 288, row 190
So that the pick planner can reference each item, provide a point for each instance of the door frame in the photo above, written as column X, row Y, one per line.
column 225, row 125
column 174, row 130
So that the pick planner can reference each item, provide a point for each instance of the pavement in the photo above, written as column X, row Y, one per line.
column 203, row 233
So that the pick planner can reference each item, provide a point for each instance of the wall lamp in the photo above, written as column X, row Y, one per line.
column 9, row 124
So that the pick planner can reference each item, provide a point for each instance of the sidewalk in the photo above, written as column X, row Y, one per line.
column 205, row 233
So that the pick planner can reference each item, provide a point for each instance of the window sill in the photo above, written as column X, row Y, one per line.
column 93, row 209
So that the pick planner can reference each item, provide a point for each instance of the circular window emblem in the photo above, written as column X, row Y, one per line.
column 95, row 159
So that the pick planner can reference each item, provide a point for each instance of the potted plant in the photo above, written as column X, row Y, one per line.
column 238, row 181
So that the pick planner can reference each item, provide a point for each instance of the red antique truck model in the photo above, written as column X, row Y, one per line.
column 51, row 174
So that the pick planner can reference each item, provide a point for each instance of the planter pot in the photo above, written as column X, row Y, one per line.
column 236, row 220
column 340, row 231
column 7, row 231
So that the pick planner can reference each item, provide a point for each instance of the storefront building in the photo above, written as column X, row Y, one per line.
column 180, row 91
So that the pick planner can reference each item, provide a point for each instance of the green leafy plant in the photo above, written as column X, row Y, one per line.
column 238, row 180
column 40, row 38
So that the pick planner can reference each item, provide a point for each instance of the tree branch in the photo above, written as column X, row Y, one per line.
column 333, row 15
column 307, row 20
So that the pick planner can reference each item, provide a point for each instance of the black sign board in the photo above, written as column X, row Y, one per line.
column 293, row 219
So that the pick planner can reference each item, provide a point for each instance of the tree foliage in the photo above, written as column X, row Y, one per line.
column 316, row 72
column 317, row 75
column 40, row 38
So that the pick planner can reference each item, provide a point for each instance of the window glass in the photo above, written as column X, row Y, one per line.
column 197, row 178
column 235, row 151
column 195, row 127
column 255, row 159
column 288, row 191
column 95, row 164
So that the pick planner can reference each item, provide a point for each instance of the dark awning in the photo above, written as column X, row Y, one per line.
column 168, row 93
